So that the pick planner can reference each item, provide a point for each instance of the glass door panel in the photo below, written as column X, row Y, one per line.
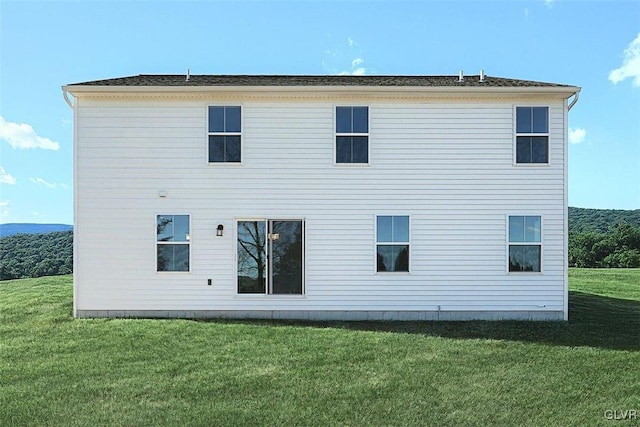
column 286, row 256
column 252, row 257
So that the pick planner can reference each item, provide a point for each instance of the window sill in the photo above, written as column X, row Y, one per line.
column 283, row 297
column 393, row 273
column 531, row 165
column 524, row 273
column 225, row 164
column 352, row 165
column 172, row 272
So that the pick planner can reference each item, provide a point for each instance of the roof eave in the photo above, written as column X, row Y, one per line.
column 567, row 91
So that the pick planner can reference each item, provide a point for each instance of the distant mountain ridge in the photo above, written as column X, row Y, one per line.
column 24, row 228
column 600, row 220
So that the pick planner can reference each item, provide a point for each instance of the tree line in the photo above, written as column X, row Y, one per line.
column 36, row 255
column 604, row 238
column 619, row 247
column 600, row 220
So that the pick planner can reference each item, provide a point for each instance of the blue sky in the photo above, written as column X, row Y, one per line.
column 43, row 45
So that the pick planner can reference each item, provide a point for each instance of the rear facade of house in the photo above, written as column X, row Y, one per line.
column 320, row 197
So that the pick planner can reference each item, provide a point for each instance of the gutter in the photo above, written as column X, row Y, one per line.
column 576, row 96
column 568, row 91
column 65, row 95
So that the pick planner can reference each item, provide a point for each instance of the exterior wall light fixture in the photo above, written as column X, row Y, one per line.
column 219, row 230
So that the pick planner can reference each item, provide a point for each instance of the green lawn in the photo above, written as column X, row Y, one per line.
column 613, row 282
column 55, row 370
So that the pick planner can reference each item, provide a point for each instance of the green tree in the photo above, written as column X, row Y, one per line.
column 35, row 255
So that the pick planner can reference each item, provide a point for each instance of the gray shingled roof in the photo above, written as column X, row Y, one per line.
column 149, row 80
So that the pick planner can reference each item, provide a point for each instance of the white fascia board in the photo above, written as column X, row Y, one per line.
column 562, row 91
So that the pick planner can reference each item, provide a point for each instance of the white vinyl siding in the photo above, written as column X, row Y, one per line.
column 448, row 163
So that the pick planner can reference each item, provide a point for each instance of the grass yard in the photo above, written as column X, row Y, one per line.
column 615, row 283
column 55, row 370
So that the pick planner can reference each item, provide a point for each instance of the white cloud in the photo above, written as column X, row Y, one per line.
column 355, row 69
column 549, row 3
column 45, row 183
column 354, row 72
column 4, row 212
column 630, row 65
column 40, row 181
column 22, row 135
column 6, row 178
column 345, row 60
column 526, row 12
column 577, row 135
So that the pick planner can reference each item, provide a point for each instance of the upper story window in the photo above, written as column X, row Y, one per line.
column 392, row 243
column 352, row 134
column 532, row 135
column 172, row 242
column 525, row 243
column 225, row 134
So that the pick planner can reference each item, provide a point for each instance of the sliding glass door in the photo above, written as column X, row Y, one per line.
column 270, row 257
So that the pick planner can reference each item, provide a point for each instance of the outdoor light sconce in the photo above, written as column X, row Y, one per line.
column 219, row 230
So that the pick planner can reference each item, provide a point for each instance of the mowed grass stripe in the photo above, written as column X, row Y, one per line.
column 55, row 370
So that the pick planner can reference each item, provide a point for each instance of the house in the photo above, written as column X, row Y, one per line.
column 320, row 197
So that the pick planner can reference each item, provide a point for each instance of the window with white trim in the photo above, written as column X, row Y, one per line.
column 352, row 135
column 532, row 135
column 392, row 243
column 525, row 243
column 172, row 242
column 225, row 134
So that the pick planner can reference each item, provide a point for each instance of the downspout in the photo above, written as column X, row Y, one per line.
column 565, row 242
column 575, row 99
column 73, row 105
